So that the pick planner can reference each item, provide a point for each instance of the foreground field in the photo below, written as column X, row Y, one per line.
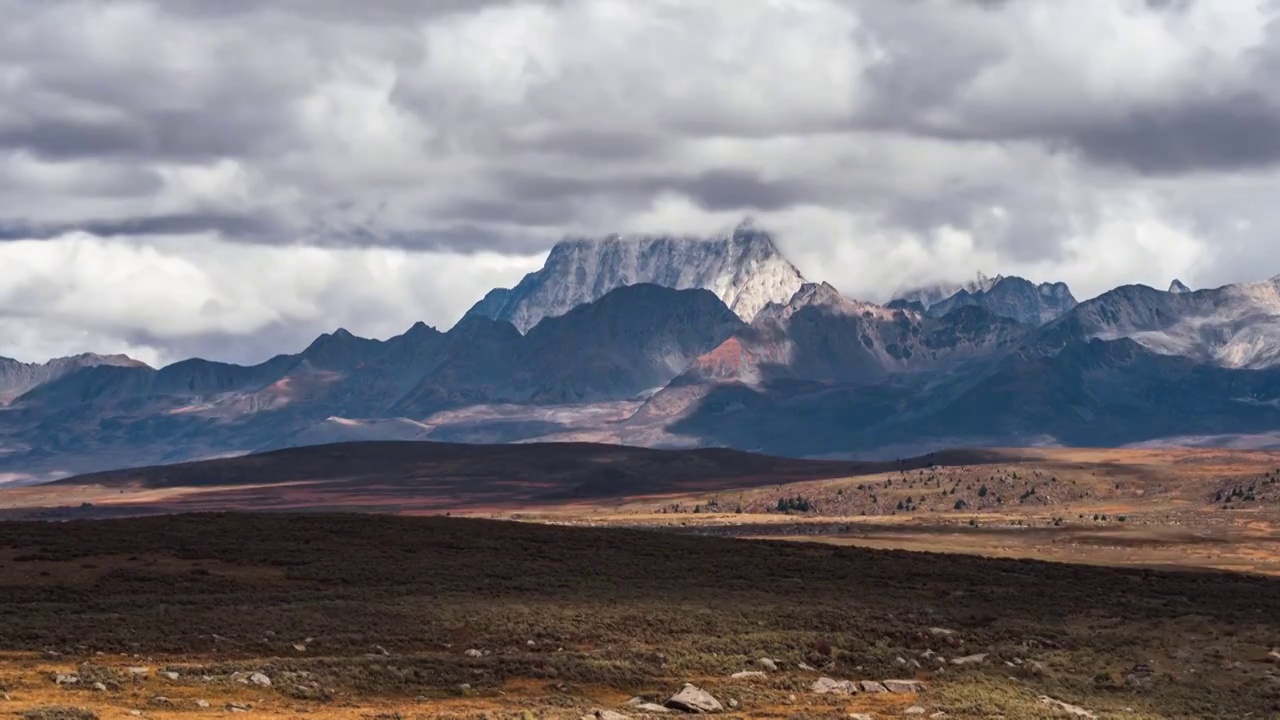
column 350, row 616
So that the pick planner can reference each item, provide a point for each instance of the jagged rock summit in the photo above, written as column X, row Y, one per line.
column 743, row 268
column 1177, row 287
column 1016, row 299
column 929, row 295
column 18, row 377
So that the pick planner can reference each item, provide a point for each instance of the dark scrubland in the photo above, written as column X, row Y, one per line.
column 346, row 611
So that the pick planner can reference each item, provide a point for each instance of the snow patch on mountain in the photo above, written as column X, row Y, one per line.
column 743, row 268
column 1234, row 326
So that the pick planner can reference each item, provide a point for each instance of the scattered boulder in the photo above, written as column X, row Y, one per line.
column 1139, row 678
column 871, row 686
column 259, row 679
column 827, row 686
column 861, row 716
column 904, row 686
column 1274, row 655
column 66, row 679
column 970, row 659
column 138, row 671
column 202, row 703
column 99, row 686
column 693, row 699
column 236, row 707
column 804, row 666
column 160, row 701
column 914, row 710
column 1068, row 708
column 169, row 675
column 941, row 632
column 772, row 666
column 938, row 715
column 748, row 675
column 473, row 653
column 652, row 708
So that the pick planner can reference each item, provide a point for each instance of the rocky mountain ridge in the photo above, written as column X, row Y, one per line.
column 1002, row 361
column 743, row 268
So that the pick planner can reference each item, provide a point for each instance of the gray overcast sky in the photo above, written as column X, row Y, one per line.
column 229, row 178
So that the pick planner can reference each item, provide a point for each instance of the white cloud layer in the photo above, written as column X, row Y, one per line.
column 230, row 178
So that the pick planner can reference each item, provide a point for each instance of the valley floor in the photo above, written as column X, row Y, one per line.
column 374, row 616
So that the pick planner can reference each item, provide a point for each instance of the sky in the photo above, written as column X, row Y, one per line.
column 230, row 178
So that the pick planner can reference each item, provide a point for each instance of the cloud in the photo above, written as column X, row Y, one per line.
column 254, row 173
column 165, row 298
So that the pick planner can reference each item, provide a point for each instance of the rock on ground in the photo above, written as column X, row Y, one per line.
column 904, row 686
column 693, row 699
column 748, row 675
column 827, row 686
column 970, row 659
column 1068, row 708
column 772, row 666
column 871, row 686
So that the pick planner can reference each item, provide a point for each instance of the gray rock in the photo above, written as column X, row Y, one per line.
column 169, row 675
column 161, row 701
column 236, row 707
column 610, row 715
column 861, row 716
column 66, row 679
column 202, row 703
column 745, row 270
column 733, row 703
column 473, row 653
column 693, row 699
column 768, row 664
column 914, row 710
column 938, row 715
column 977, row 659
column 748, row 675
column 138, row 671
column 941, row 632
column 1075, row 710
column 904, row 686
column 827, row 686
column 100, row 687
column 871, row 686
column 804, row 666
column 259, row 679
column 651, row 708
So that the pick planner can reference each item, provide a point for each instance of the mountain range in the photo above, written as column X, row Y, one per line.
column 676, row 342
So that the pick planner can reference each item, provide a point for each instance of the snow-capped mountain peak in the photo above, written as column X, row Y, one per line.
column 743, row 268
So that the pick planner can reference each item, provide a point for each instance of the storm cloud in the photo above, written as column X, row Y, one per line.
column 229, row 178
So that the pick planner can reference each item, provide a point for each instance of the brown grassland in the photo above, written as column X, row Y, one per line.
column 1160, row 603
